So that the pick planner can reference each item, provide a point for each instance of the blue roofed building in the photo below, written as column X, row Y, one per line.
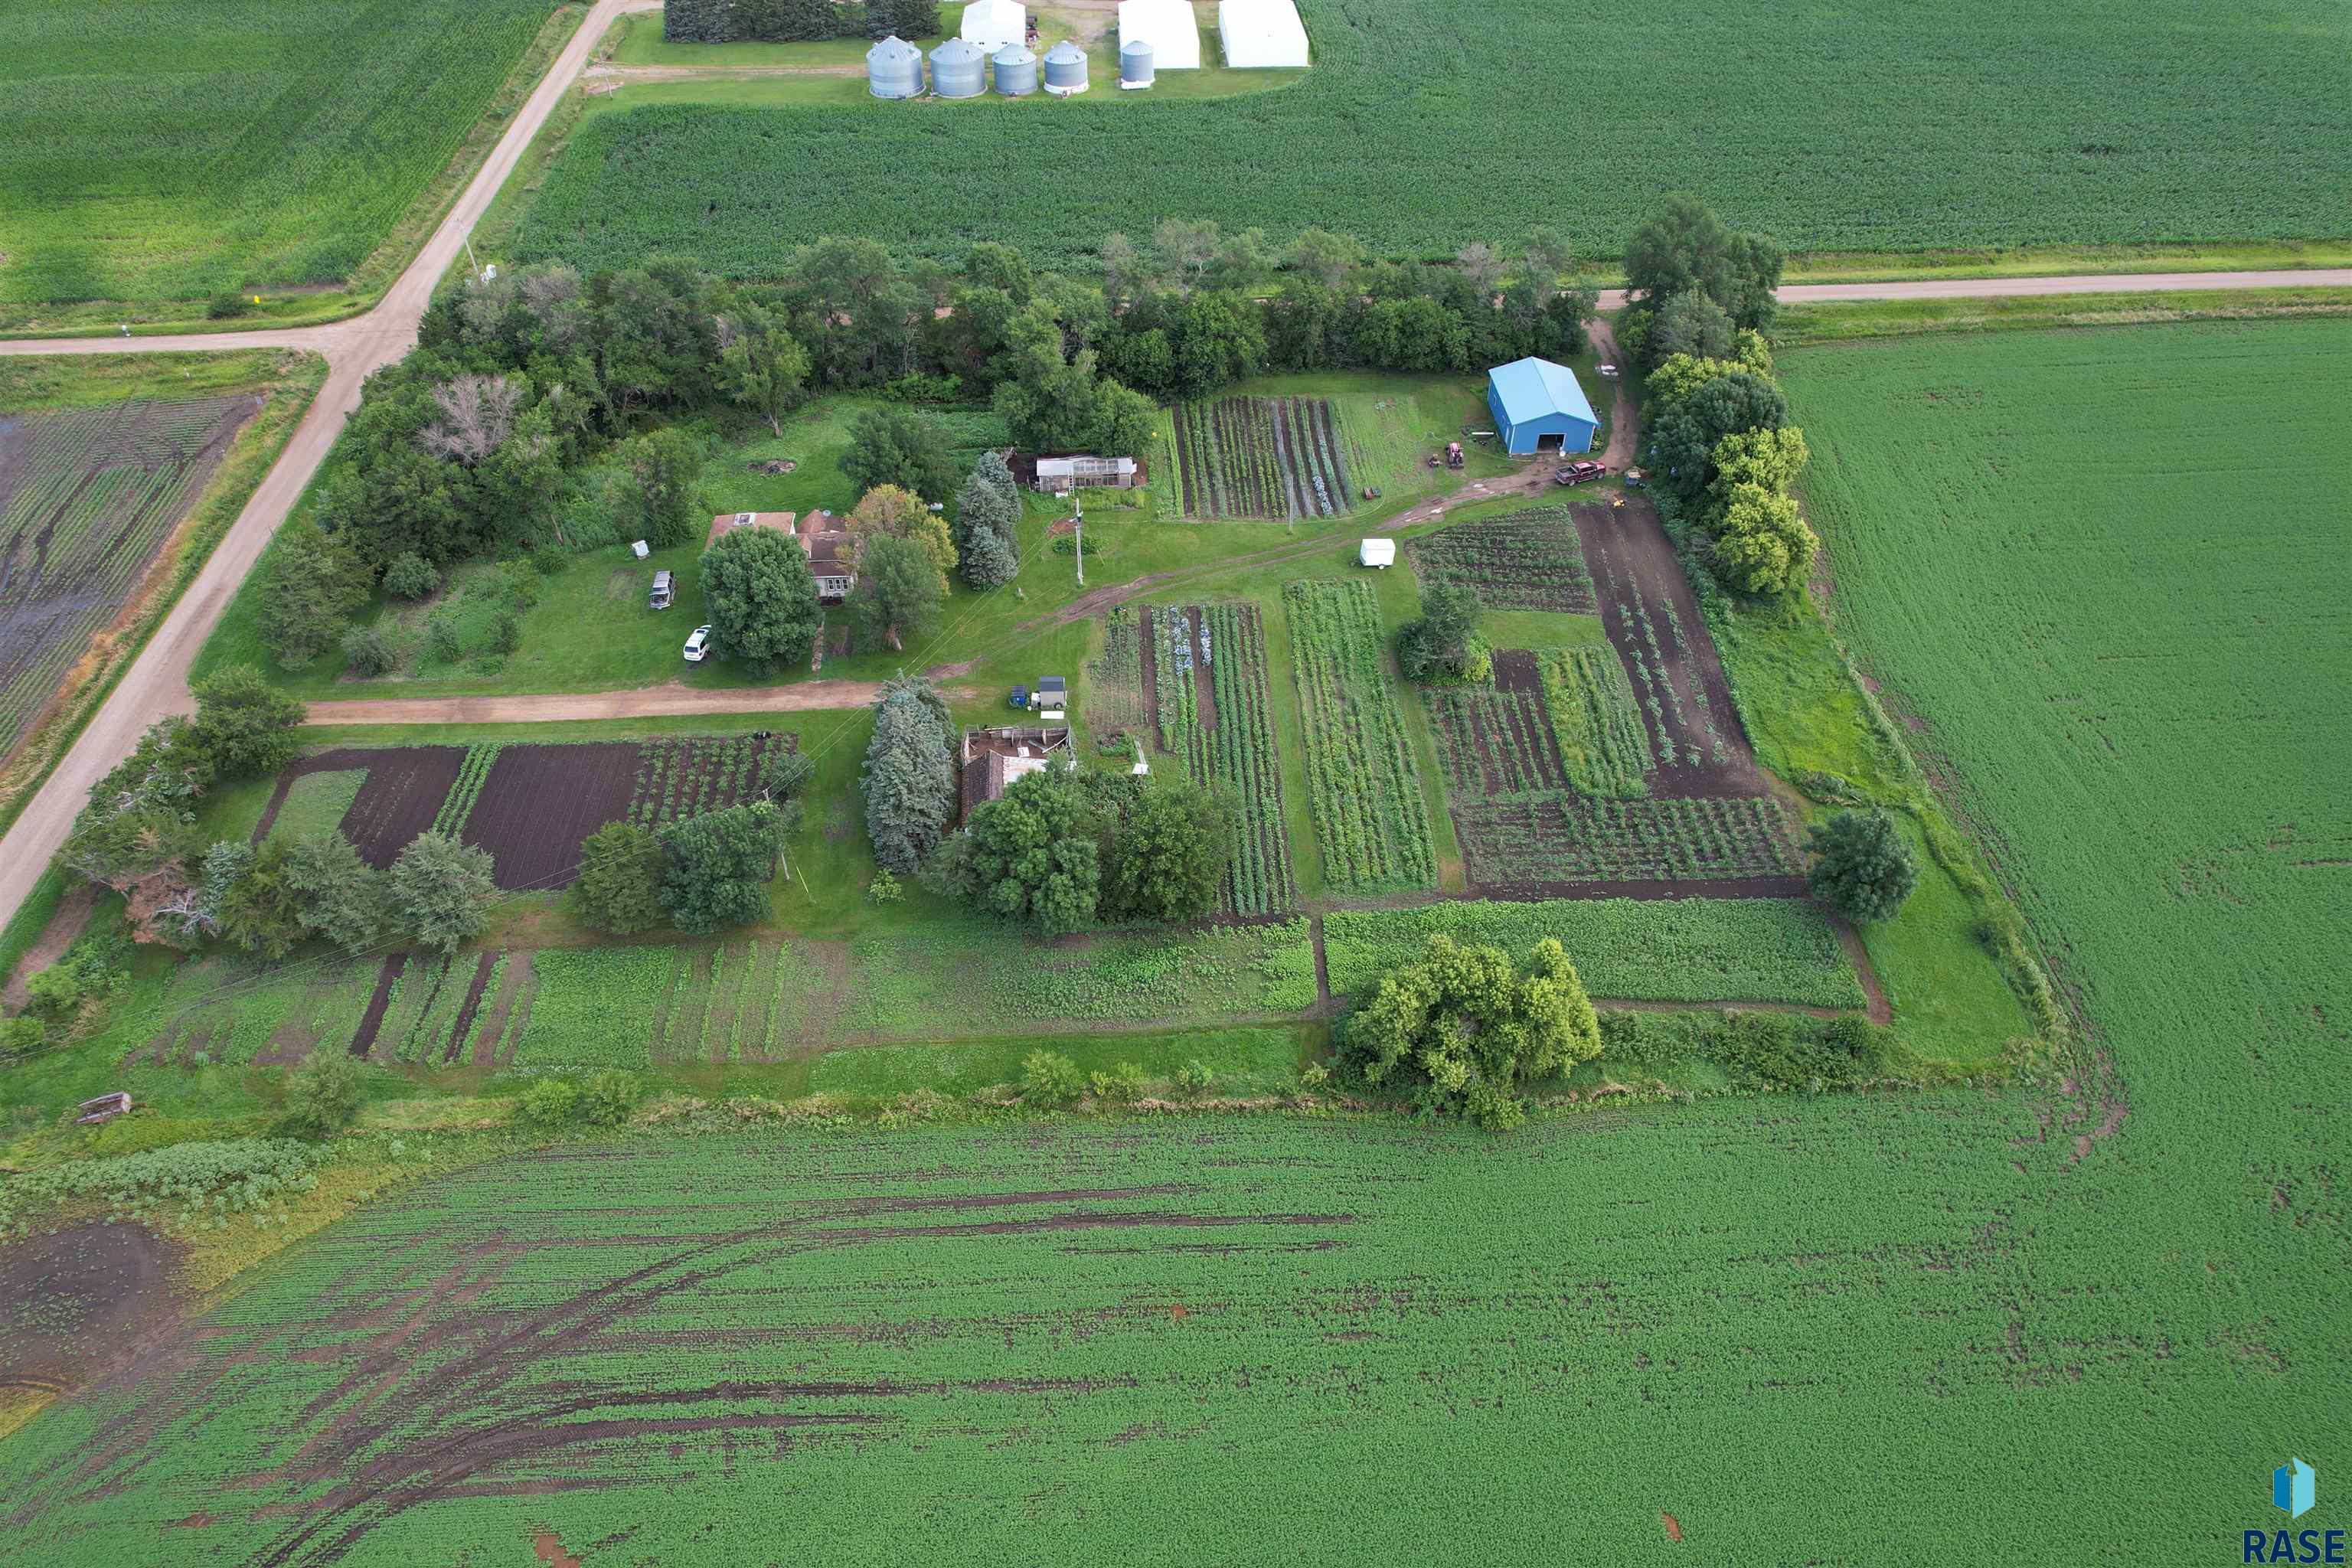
column 1538, row 408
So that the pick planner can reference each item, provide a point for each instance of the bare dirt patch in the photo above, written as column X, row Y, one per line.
column 72, row 915
column 539, row 802
column 78, row 1305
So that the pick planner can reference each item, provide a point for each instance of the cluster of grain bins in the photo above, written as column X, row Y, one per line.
column 991, row 49
column 963, row 67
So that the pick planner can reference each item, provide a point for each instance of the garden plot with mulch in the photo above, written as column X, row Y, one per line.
column 1616, row 770
column 531, row 806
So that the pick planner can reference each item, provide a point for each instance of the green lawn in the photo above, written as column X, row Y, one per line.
column 316, row 803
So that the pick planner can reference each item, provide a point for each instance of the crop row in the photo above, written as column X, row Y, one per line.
column 1492, row 742
column 1528, row 560
column 1552, row 837
column 1239, row 751
column 1115, row 680
column 472, row 774
column 679, row 779
column 1360, row 777
column 1260, row 457
column 1596, row 722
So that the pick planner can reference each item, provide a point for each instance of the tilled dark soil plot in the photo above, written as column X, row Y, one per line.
column 404, row 790
column 1653, row 622
column 540, row 802
column 78, row 1303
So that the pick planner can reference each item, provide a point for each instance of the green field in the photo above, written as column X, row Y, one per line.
column 1158, row 1342
column 1847, row 126
column 168, row 151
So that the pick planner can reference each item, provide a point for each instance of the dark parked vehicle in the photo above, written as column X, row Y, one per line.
column 1576, row 473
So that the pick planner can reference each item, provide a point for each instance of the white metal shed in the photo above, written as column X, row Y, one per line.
column 1259, row 34
column 1168, row 26
column 993, row 24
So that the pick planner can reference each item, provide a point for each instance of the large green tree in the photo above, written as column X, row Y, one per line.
column 909, row 773
column 1862, row 868
column 1761, row 545
column 440, row 891
column 313, row 583
column 244, row 727
column 1033, row 854
column 894, row 446
column 660, row 498
column 1686, row 438
column 1442, row 642
column 1687, row 246
column 1170, row 855
column 1465, row 1029
column 262, row 909
column 344, row 898
column 761, row 366
column 619, row 889
column 718, row 867
column 899, row 589
column 763, row 598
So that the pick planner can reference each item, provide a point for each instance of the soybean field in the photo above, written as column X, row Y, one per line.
column 172, row 149
column 1044, row 1343
column 1850, row 125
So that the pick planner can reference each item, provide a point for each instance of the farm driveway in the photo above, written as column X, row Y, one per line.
column 646, row 702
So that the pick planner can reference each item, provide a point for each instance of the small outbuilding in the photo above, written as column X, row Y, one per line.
column 1538, row 408
column 1261, row 34
column 1376, row 553
column 994, row 24
column 1060, row 476
column 1168, row 26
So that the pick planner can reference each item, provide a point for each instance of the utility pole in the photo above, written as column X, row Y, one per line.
column 471, row 265
column 1079, row 503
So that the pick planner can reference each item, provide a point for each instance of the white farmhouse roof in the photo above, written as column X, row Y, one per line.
column 1261, row 33
column 995, row 24
column 1168, row 26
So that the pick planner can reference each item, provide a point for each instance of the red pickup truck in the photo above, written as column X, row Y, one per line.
column 1576, row 473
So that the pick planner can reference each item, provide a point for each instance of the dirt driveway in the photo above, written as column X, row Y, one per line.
column 644, row 702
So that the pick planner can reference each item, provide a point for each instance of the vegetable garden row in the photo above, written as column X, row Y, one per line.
column 1541, row 838
column 1360, row 777
column 1528, row 560
column 1236, row 748
column 1260, row 458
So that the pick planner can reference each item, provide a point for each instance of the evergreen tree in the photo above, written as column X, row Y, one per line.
column 718, row 866
column 440, row 892
column 343, row 896
column 989, row 561
column 909, row 775
column 619, row 889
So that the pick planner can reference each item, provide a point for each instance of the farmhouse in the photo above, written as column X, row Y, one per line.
column 832, row 556
column 1538, row 408
column 994, row 759
column 1261, row 34
column 1059, row 476
column 726, row 523
column 1167, row 26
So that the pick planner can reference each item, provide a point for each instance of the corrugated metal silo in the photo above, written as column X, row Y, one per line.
column 894, row 69
column 1135, row 63
column 1016, row 71
column 1066, row 69
column 959, row 69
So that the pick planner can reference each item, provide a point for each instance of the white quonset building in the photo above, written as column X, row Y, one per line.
column 994, row 24
column 1168, row 26
column 1259, row 34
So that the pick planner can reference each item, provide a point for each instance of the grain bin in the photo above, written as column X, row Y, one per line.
column 1016, row 71
column 959, row 69
column 894, row 69
column 1135, row 63
column 1065, row 70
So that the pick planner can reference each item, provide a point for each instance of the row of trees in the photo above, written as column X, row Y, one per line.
column 797, row 21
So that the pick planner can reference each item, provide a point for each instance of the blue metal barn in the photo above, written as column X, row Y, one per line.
column 1538, row 408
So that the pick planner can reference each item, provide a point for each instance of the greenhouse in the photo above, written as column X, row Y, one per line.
column 1258, row 33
